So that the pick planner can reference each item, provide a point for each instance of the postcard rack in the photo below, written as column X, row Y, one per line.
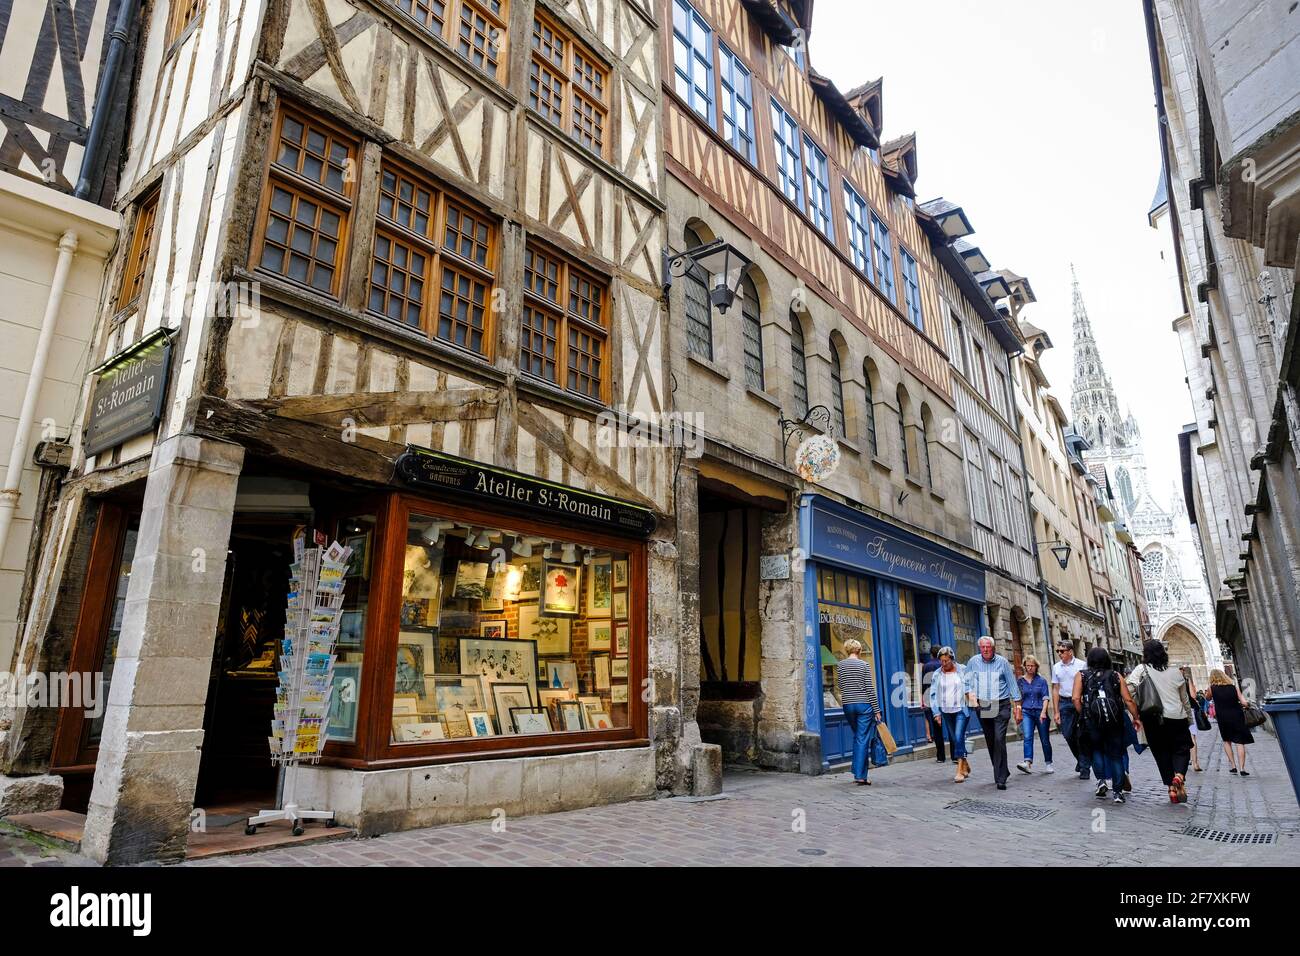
column 302, row 702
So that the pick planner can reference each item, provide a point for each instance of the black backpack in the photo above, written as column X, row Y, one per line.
column 1102, row 706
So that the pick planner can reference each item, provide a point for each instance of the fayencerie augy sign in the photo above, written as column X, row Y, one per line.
column 435, row 471
column 873, row 546
column 128, row 393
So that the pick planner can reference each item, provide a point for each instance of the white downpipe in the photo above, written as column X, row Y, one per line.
column 17, row 456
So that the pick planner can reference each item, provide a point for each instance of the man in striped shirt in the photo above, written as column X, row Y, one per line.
column 861, row 707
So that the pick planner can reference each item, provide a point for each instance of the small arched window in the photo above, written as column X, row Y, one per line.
column 923, row 440
column 837, row 393
column 871, row 408
column 752, row 330
column 902, row 430
column 699, row 313
column 798, row 366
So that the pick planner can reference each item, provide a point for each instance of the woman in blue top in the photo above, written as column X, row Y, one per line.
column 1034, row 715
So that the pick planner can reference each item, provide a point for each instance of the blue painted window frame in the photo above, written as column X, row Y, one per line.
column 737, row 103
column 912, row 289
column 857, row 213
column 817, row 171
column 883, row 253
column 789, row 158
column 693, row 43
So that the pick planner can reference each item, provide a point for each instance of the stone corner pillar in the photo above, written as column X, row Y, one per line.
column 149, row 751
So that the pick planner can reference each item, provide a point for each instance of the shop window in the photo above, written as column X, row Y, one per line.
column 475, row 29
column 564, row 338
column 307, row 203
column 965, row 630
column 181, row 15
column 432, row 267
column 568, row 86
column 911, row 650
column 843, row 612
column 137, row 259
column 504, row 634
column 113, row 625
column 358, row 533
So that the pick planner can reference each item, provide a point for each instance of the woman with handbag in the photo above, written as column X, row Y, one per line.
column 861, row 707
column 1230, row 712
column 1161, row 695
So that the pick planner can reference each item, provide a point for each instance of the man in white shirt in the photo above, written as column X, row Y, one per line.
column 1063, row 672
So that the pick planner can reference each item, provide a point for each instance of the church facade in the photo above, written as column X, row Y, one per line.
column 1178, row 602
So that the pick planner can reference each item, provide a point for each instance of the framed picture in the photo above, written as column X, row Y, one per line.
column 621, row 640
column 508, row 697
column 456, row 696
column 359, row 560
column 404, row 704
column 416, row 657
column 497, row 660
column 570, row 715
column 620, row 573
column 529, row 585
column 600, row 671
column 342, row 722
column 409, row 730
column 600, row 587
column 480, row 724
column 618, row 668
column 548, row 698
column 448, row 653
column 599, row 720
column 590, row 702
column 495, row 599
column 530, row 720
column 493, row 629
column 599, row 635
column 560, row 589
column 422, row 573
column 620, row 605
column 471, row 580
column 561, row 675
column 551, row 634
column 419, row 613
column 352, row 628
column 618, row 694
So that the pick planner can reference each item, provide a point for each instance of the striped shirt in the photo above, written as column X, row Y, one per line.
column 856, row 684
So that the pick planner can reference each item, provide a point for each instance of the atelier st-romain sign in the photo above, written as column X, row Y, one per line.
column 128, row 393
column 432, row 470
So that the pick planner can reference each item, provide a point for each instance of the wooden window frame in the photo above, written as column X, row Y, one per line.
column 799, row 351
column 818, row 204
column 374, row 747
column 884, row 269
column 182, row 14
column 729, row 92
column 911, row 284
column 782, row 150
column 568, row 319
column 300, row 187
column 439, row 258
column 137, row 257
column 449, row 29
column 572, row 92
column 857, row 217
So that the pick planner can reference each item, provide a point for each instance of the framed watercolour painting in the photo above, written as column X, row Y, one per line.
column 600, row 670
column 480, row 724
column 570, row 715
column 621, row 640
column 600, row 589
column 530, row 720
column 551, row 634
column 561, row 675
column 507, row 697
column 494, row 629
column 496, row 660
column 618, row 668
column 620, row 604
column 599, row 720
column 618, row 694
column 599, row 635
column 620, row 573
column 560, row 589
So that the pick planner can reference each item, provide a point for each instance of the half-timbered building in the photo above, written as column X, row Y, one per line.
column 388, row 270
column 791, row 544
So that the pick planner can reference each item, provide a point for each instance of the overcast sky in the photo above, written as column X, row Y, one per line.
column 1039, row 119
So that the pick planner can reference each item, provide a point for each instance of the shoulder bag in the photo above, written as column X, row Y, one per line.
column 1150, row 707
column 1254, row 714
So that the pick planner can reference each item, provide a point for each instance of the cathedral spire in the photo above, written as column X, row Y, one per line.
column 1092, row 403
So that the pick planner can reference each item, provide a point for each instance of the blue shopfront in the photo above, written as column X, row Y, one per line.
column 900, row 595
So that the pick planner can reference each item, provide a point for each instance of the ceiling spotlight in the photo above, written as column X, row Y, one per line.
column 434, row 531
column 522, row 548
column 569, row 553
column 587, row 554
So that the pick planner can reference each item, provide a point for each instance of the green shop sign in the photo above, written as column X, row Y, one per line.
column 128, row 393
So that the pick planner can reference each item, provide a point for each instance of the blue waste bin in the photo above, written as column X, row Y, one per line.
column 1285, row 711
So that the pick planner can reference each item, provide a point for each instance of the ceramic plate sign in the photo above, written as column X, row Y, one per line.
column 433, row 470
column 128, row 394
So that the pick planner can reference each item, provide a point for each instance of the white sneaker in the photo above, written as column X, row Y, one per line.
column 1047, row 768
column 1024, row 766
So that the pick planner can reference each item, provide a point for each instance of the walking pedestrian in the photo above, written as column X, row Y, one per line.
column 861, row 707
column 1194, row 705
column 1034, row 715
column 1167, row 721
column 1067, row 718
column 992, row 688
column 930, row 664
column 947, row 700
column 1100, row 698
column 1230, row 712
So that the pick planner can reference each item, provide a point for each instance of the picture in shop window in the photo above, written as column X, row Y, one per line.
column 509, row 634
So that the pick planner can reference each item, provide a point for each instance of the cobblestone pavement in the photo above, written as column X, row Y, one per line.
column 912, row 814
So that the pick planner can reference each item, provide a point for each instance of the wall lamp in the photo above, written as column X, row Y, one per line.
column 724, row 263
column 1061, row 550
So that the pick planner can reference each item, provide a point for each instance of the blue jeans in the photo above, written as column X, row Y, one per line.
column 1069, row 717
column 1105, row 747
column 955, row 725
column 1031, row 722
column 863, row 724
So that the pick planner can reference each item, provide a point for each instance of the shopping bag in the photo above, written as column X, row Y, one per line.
column 879, row 755
column 885, row 737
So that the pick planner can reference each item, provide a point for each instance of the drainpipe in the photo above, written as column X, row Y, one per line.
column 14, row 473
column 100, row 117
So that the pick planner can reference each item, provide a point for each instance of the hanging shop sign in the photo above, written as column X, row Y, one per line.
column 128, row 393
column 435, row 471
column 861, row 541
